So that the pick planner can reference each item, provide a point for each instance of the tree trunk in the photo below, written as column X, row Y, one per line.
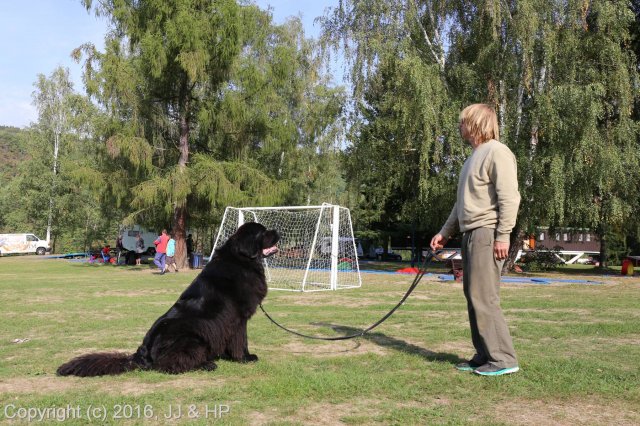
column 179, row 226
column 56, row 149
column 604, row 263
column 180, row 235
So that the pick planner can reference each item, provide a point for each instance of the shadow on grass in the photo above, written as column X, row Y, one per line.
column 383, row 340
column 128, row 268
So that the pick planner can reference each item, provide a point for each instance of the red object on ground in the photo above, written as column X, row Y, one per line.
column 627, row 267
column 408, row 271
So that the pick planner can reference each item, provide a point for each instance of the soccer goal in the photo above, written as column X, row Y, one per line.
column 317, row 250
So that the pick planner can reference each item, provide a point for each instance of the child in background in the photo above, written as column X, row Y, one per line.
column 171, row 251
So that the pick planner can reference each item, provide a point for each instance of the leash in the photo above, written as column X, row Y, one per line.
column 421, row 272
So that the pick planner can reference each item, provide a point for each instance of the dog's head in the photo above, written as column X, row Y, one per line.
column 252, row 240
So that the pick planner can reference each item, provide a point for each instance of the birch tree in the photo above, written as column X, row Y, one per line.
column 53, row 98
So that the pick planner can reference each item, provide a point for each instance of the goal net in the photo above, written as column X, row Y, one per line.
column 317, row 250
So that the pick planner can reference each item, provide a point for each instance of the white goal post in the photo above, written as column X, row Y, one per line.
column 317, row 249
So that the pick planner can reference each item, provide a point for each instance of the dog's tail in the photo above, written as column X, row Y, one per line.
column 99, row 364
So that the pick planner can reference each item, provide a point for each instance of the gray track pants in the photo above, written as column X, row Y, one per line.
column 481, row 283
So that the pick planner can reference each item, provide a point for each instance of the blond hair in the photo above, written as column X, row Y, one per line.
column 480, row 122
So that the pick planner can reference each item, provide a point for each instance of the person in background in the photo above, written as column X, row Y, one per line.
column 190, row 250
column 485, row 211
column 161, row 250
column 171, row 252
column 189, row 245
column 139, row 248
column 119, row 247
column 106, row 253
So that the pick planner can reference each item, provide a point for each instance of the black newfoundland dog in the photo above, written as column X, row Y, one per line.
column 209, row 320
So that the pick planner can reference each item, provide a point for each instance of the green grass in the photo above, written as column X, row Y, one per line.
column 577, row 347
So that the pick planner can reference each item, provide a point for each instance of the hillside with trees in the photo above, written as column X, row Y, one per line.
column 11, row 151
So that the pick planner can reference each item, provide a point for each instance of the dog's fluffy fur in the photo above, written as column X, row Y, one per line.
column 209, row 320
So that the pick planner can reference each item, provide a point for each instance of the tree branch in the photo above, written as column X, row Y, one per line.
column 439, row 59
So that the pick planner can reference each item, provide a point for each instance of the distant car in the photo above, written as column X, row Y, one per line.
column 587, row 261
column 393, row 256
column 381, row 255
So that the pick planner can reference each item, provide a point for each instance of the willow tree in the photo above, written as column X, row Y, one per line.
column 163, row 61
column 561, row 76
column 565, row 115
column 588, row 159
column 402, row 122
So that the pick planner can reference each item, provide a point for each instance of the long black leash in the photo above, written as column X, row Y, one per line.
column 421, row 271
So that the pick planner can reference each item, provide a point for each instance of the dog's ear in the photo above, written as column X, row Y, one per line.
column 248, row 247
column 248, row 239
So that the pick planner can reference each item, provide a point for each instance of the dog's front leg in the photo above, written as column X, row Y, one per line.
column 248, row 357
column 238, row 348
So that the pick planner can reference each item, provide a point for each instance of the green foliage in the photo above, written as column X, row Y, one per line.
column 45, row 191
column 11, row 152
column 541, row 259
column 219, row 107
column 561, row 75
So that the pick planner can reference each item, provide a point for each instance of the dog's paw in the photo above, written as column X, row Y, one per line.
column 210, row 366
column 250, row 358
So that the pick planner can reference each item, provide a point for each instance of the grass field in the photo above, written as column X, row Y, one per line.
column 578, row 346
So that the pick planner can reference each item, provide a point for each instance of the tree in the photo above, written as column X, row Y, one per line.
column 162, row 61
column 541, row 64
column 53, row 98
column 402, row 156
column 206, row 105
column 44, row 192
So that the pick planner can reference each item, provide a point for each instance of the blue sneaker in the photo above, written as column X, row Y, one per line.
column 467, row 366
column 491, row 370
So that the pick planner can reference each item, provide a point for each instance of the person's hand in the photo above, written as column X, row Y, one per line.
column 501, row 250
column 438, row 242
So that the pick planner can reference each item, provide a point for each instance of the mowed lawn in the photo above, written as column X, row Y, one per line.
column 578, row 344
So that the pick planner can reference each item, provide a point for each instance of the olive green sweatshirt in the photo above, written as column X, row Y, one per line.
column 487, row 195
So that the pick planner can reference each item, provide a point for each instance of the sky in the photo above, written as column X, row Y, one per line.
column 37, row 36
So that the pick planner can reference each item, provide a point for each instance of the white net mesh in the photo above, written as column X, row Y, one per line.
column 317, row 250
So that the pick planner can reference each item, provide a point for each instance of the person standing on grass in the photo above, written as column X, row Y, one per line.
column 119, row 247
column 161, row 250
column 485, row 212
column 171, row 252
column 189, row 248
column 140, row 248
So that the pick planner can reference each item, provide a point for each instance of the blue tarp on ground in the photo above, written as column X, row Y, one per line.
column 515, row 280
column 68, row 255
column 525, row 280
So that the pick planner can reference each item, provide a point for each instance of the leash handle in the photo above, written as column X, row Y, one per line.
column 421, row 272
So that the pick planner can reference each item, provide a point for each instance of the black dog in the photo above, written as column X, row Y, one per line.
column 209, row 320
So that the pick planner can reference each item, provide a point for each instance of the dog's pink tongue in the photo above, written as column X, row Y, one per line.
column 269, row 250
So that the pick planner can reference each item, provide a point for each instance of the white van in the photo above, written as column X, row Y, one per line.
column 129, row 238
column 22, row 244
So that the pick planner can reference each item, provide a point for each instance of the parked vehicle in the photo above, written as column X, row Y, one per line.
column 22, row 244
column 129, row 238
column 390, row 255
